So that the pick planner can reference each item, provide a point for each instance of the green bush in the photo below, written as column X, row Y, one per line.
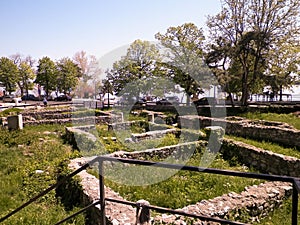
column 10, row 112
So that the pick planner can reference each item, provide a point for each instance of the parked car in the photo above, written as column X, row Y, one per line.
column 163, row 102
column 206, row 101
column 170, row 100
column 11, row 98
column 29, row 97
column 63, row 97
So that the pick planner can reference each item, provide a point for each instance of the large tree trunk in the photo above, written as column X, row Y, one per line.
column 280, row 93
column 22, row 91
column 244, row 100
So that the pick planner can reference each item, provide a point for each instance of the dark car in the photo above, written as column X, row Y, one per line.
column 63, row 98
column 206, row 101
column 163, row 102
column 29, row 97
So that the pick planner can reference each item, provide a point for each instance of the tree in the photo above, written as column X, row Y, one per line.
column 244, row 34
column 88, row 64
column 68, row 74
column 9, row 74
column 90, row 69
column 139, row 63
column 283, row 68
column 26, row 74
column 47, row 74
column 184, row 52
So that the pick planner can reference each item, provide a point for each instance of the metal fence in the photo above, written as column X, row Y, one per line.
column 102, row 199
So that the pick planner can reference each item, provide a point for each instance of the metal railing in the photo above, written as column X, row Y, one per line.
column 102, row 199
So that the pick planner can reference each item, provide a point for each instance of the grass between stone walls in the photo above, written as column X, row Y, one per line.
column 290, row 119
column 276, row 148
column 29, row 160
column 181, row 189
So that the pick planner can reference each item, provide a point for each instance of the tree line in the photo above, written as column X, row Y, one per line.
column 250, row 44
column 64, row 75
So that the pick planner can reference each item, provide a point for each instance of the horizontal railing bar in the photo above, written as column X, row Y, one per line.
column 78, row 212
column 201, row 169
column 182, row 213
column 121, row 201
column 162, row 165
column 41, row 194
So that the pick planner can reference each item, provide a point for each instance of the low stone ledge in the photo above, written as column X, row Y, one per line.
column 162, row 152
column 152, row 134
column 277, row 132
column 257, row 201
column 263, row 160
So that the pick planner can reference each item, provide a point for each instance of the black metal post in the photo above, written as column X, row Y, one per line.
column 102, row 193
column 295, row 205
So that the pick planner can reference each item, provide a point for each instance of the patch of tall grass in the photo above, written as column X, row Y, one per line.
column 182, row 188
column 28, row 165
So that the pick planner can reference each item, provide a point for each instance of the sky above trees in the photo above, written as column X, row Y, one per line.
column 58, row 29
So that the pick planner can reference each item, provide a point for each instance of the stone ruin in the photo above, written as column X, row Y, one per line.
column 257, row 200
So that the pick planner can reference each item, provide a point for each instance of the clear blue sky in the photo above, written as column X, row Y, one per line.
column 59, row 28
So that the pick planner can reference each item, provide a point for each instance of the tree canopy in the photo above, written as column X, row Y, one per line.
column 88, row 65
column 68, row 74
column 47, row 74
column 26, row 73
column 245, row 35
column 183, row 47
column 26, row 77
column 9, row 74
column 251, row 44
column 138, row 64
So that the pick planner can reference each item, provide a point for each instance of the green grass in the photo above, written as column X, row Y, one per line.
column 23, row 153
column 290, row 119
column 268, row 146
column 179, row 190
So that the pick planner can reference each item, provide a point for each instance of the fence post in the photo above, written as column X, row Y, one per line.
column 295, row 203
column 102, row 193
column 142, row 212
